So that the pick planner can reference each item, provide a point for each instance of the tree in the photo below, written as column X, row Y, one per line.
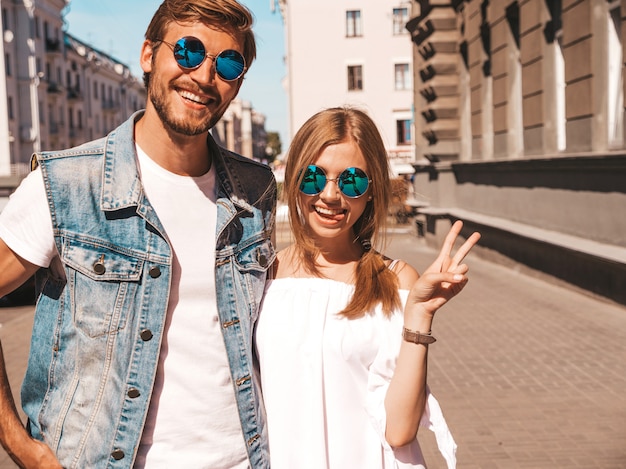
column 274, row 145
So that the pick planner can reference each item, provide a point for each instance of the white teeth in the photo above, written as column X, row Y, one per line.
column 192, row 97
column 326, row 211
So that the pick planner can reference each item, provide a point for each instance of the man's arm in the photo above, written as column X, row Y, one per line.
column 25, row 451
column 14, row 270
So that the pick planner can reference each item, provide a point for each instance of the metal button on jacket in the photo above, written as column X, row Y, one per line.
column 146, row 335
column 133, row 393
column 118, row 454
column 99, row 268
column 154, row 272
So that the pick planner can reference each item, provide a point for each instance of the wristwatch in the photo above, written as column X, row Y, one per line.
column 417, row 337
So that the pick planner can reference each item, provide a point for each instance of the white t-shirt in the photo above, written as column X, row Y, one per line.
column 196, row 423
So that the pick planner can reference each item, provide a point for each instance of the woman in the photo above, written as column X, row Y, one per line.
column 342, row 389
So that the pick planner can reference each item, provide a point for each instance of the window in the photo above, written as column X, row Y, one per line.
column 5, row 19
column 615, row 86
column 7, row 65
column 355, row 77
column 10, row 106
column 353, row 23
column 400, row 19
column 403, row 131
column 403, row 77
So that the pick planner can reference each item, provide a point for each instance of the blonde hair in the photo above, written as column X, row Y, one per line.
column 374, row 281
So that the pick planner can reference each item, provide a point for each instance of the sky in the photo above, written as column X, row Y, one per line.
column 117, row 28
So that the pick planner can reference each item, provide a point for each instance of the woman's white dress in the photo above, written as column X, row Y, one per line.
column 324, row 380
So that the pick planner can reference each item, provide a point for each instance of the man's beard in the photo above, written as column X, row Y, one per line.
column 178, row 125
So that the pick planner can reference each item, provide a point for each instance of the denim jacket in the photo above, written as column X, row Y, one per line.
column 100, row 315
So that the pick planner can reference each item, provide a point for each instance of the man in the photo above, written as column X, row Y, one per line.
column 151, row 248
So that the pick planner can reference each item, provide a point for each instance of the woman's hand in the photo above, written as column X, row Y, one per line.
column 446, row 276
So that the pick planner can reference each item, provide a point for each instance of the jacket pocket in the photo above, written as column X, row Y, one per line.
column 102, row 281
column 252, row 263
column 257, row 257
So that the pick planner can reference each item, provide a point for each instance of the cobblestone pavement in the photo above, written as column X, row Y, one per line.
column 15, row 328
column 529, row 374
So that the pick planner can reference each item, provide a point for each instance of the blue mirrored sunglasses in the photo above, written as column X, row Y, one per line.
column 353, row 182
column 189, row 53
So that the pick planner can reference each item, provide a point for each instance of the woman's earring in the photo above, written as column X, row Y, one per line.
column 367, row 245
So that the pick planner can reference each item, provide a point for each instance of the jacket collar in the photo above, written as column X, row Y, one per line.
column 121, row 184
column 227, row 176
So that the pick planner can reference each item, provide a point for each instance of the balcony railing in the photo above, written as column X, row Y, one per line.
column 53, row 45
column 74, row 93
column 54, row 87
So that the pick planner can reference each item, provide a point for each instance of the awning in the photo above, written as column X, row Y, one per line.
column 398, row 169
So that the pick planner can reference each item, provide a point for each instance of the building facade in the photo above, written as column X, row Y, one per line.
column 60, row 92
column 242, row 130
column 352, row 53
column 520, row 113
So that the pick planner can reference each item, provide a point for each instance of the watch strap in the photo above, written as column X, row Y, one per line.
column 417, row 337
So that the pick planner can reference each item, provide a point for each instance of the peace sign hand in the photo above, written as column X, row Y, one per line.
column 446, row 276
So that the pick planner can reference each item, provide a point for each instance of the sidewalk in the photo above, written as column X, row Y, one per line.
column 15, row 327
column 529, row 374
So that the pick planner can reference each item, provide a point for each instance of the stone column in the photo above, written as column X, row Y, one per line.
column 506, row 73
column 542, row 77
column 586, row 62
column 478, row 35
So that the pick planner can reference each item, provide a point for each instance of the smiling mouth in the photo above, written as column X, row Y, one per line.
column 193, row 97
column 328, row 212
